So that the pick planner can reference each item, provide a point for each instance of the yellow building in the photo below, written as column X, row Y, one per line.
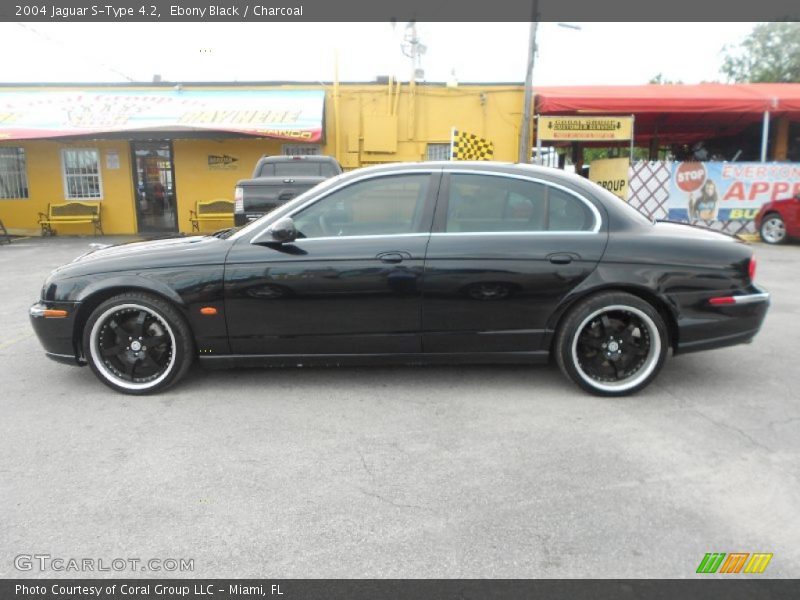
column 148, row 153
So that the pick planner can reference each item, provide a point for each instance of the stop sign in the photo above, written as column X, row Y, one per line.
column 690, row 176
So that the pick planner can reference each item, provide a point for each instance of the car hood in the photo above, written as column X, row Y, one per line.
column 137, row 256
column 780, row 203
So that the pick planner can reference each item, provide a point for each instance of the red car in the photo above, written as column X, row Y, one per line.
column 777, row 221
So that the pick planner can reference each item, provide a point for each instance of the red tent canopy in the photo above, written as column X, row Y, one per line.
column 676, row 113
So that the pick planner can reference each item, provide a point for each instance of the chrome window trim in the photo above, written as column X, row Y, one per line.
column 516, row 233
column 598, row 220
column 423, row 170
column 363, row 237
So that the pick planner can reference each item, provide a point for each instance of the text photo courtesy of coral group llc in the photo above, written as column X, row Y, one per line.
column 316, row 299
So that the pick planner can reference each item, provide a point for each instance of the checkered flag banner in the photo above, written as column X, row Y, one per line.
column 468, row 146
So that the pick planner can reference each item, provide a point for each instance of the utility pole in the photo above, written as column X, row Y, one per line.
column 414, row 49
column 525, row 129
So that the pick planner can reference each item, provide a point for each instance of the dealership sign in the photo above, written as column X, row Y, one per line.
column 286, row 114
column 584, row 129
column 612, row 174
column 728, row 191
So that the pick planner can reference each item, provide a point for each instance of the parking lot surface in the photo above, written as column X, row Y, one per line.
column 405, row 471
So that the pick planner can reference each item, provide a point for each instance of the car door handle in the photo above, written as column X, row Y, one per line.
column 393, row 257
column 561, row 258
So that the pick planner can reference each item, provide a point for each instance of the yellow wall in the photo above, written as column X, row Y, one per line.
column 46, row 185
column 195, row 181
column 424, row 115
column 376, row 126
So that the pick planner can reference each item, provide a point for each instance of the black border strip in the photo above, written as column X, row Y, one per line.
column 401, row 10
column 733, row 588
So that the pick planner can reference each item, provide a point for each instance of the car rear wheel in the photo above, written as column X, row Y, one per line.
column 773, row 229
column 137, row 343
column 612, row 344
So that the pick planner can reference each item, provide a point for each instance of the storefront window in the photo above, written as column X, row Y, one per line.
column 82, row 174
column 13, row 173
column 438, row 152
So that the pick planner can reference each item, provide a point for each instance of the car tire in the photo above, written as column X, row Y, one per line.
column 138, row 343
column 773, row 229
column 612, row 344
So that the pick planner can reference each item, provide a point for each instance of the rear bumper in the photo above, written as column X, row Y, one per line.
column 56, row 334
column 706, row 326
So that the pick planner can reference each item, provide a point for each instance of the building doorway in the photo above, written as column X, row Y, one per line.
column 154, row 185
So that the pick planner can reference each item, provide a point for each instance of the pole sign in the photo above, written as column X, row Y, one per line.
column 727, row 191
column 584, row 129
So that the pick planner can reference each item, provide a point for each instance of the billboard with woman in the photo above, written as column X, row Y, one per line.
column 727, row 191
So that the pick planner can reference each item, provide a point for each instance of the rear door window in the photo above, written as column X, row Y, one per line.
column 488, row 203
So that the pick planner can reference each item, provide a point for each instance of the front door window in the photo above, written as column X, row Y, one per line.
column 386, row 206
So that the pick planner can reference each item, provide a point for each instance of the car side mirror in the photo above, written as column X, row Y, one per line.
column 281, row 231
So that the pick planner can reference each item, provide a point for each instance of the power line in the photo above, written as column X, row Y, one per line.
column 83, row 56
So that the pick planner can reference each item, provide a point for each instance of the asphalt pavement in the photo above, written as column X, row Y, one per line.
column 409, row 472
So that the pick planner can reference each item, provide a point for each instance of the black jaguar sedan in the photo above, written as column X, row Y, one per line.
column 412, row 263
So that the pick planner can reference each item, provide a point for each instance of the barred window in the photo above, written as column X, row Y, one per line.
column 82, row 173
column 301, row 149
column 439, row 151
column 13, row 173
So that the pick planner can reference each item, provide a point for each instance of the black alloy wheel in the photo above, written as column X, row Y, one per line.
column 137, row 343
column 612, row 344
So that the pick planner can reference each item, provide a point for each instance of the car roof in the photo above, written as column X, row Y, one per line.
column 536, row 171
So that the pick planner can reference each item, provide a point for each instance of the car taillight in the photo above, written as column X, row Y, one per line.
column 751, row 269
column 238, row 200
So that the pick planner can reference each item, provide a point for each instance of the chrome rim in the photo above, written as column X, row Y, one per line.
column 133, row 346
column 616, row 348
column 773, row 230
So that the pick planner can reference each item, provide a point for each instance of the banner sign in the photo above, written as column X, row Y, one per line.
column 584, row 129
column 727, row 191
column 286, row 114
column 612, row 174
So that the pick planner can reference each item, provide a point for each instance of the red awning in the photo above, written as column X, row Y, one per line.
column 676, row 113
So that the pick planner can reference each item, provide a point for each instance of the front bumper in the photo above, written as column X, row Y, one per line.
column 737, row 321
column 56, row 334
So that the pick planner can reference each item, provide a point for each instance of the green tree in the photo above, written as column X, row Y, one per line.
column 770, row 54
column 661, row 80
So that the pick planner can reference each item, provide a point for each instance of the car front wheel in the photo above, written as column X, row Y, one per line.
column 773, row 229
column 137, row 343
column 612, row 344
